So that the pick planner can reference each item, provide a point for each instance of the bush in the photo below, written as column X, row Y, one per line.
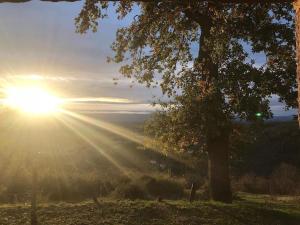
column 106, row 188
column 73, row 188
column 130, row 191
column 162, row 187
column 285, row 180
column 252, row 184
column 146, row 187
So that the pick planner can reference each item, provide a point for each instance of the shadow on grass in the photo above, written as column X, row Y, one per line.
column 250, row 212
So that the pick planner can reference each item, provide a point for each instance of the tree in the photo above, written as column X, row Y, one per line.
column 210, row 86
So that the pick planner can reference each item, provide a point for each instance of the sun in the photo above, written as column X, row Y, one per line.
column 32, row 100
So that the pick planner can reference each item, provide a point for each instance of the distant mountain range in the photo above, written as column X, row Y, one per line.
column 138, row 117
column 284, row 118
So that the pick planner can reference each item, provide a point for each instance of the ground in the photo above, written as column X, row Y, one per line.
column 246, row 210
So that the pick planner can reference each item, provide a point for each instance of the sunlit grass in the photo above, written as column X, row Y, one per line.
column 151, row 212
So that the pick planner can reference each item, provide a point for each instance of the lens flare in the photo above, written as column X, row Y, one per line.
column 33, row 100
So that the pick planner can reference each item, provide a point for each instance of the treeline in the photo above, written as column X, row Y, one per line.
column 262, row 149
column 266, row 159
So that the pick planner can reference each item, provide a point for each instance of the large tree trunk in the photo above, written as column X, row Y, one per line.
column 297, row 8
column 215, row 119
column 218, row 169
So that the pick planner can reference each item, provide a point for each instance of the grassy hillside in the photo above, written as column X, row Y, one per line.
column 73, row 157
column 249, row 209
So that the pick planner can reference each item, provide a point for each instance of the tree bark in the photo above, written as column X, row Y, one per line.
column 216, row 121
column 218, row 169
column 297, row 8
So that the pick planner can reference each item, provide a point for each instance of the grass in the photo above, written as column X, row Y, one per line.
column 247, row 210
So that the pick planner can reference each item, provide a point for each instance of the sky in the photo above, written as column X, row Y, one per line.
column 39, row 45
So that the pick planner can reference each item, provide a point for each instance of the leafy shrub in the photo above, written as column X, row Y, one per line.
column 146, row 187
column 130, row 191
column 162, row 187
column 72, row 188
column 253, row 184
column 106, row 188
column 285, row 180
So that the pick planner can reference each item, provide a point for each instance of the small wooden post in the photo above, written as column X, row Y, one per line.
column 193, row 192
column 297, row 19
column 33, row 196
column 95, row 199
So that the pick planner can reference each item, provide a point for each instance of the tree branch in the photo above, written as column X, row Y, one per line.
column 218, row 1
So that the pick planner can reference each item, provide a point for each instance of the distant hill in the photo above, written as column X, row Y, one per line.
column 269, row 146
column 283, row 118
column 122, row 117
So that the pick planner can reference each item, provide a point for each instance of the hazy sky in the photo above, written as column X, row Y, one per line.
column 38, row 39
column 38, row 42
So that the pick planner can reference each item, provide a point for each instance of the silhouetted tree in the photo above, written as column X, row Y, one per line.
column 201, row 54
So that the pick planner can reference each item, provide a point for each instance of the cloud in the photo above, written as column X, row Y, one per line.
column 94, row 107
column 99, row 100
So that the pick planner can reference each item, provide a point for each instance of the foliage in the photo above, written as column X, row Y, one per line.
column 252, row 183
column 262, row 149
column 201, row 54
column 130, row 191
column 165, row 188
column 149, row 187
column 284, row 180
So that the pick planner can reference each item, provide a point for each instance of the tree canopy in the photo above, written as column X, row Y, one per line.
column 200, row 53
column 162, row 46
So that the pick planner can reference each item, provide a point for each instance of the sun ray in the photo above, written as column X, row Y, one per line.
column 84, row 137
column 17, row 150
column 103, row 139
column 53, row 153
column 123, row 132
